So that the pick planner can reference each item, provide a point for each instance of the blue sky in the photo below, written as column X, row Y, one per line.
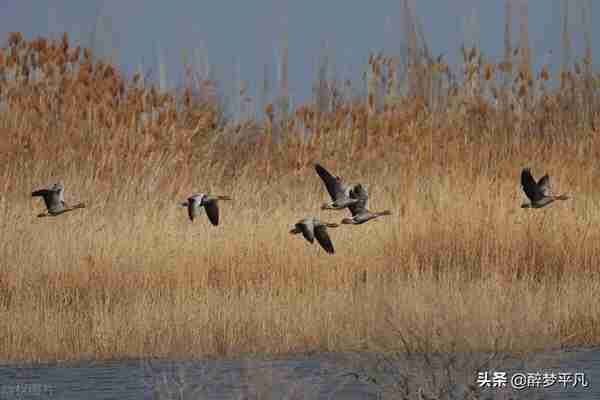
column 244, row 34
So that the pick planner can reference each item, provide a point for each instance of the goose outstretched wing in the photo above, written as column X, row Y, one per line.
column 334, row 185
column 323, row 238
column 212, row 210
column 530, row 187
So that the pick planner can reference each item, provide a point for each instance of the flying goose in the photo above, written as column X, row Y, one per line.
column 312, row 228
column 209, row 202
column 538, row 192
column 359, row 210
column 55, row 200
column 339, row 192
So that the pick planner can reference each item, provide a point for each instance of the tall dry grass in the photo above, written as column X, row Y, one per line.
column 458, row 266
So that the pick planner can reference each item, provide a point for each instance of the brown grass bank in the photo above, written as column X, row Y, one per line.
column 458, row 266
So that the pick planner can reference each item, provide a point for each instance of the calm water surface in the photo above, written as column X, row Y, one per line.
column 321, row 376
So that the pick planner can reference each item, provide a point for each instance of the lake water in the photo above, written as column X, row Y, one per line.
column 323, row 376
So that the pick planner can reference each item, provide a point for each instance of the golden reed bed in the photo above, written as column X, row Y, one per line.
column 458, row 266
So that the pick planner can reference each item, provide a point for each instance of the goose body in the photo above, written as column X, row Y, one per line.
column 538, row 192
column 196, row 202
column 359, row 210
column 55, row 201
column 311, row 228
